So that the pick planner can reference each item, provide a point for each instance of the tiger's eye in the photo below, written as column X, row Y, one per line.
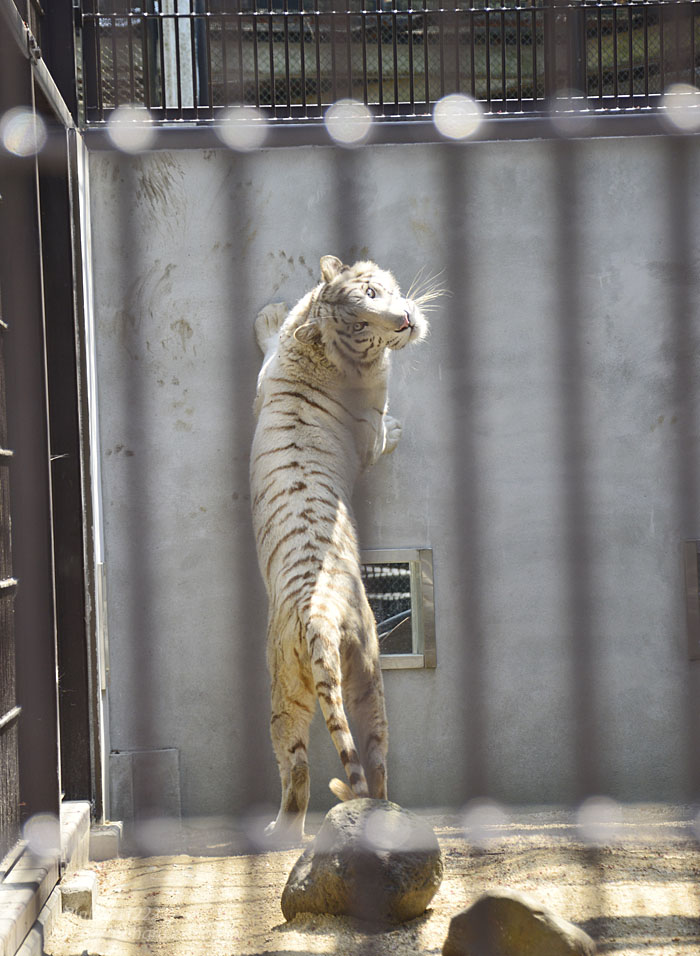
column 359, row 326
column 370, row 292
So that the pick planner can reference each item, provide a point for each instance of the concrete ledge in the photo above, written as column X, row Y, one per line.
column 27, row 902
column 23, row 893
column 33, row 944
column 75, row 835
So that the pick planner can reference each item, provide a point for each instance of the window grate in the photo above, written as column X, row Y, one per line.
column 189, row 59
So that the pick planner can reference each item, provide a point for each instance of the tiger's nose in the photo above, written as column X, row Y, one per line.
column 406, row 322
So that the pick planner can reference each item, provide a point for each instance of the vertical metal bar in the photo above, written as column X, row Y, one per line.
column 576, row 25
column 616, row 62
column 645, row 16
column 206, row 22
column 662, row 43
column 256, row 66
column 519, row 57
column 455, row 40
column 441, row 34
column 115, row 62
column 679, row 180
column 239, row 22
column 411, row 69
column 549, row 52
column 302, row 57
column 464, row 473
column 504, row 78
column 348, row 52
column 161, row 46
column 472, row 52
column 334, row 69
column 535, row 79
column 576, row 466
column 395, row 50
column 426, row 58
column 21, row 280
column 487, row 51
column 135, row 561
column 92, row 79
column 222, row 21
column 191, row 22
column 146, row 60
column 71, row 600
column 600, row 55
column 363, row 40
column 178, row 64
column 380, row 59
column 691, row 64
column 287, row 72
column 130, row 47
column 630, row 50
column 249, row 679
column 317, row 38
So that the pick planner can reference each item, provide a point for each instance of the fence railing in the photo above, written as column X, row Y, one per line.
column 187, row 59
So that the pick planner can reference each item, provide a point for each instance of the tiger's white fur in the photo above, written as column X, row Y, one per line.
column 321, row 405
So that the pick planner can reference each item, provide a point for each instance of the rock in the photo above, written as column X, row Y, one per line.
column 505, row 923
column 371, row 859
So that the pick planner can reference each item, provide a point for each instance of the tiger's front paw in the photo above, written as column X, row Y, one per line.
column 268, row 323
column 393, row 434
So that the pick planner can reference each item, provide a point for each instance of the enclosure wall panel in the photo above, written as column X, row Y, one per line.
column 546, row 457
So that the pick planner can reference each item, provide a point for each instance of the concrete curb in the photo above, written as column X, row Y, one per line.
column 29, row 898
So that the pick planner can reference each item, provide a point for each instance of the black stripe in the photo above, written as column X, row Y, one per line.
column 283, row 540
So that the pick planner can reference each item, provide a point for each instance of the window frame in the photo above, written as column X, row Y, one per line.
column 420, row 562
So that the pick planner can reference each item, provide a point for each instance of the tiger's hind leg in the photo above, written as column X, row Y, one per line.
column 364, row 696
column 293, row 706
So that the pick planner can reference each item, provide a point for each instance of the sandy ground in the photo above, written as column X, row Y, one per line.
column 637, row 893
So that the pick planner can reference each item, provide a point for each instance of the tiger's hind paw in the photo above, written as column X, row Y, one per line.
column 393, row 434
column 280, row 835
column 268, row 323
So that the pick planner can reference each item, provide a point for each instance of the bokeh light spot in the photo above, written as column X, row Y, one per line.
column 457, row 116
column 482, row 822
column 571, row 115
column 242, row 128
column 387, row 831
column 43, row 834
column 130, row 128
column 681, row 103
column 348, row 122
column 22, row 132
column 599, row 821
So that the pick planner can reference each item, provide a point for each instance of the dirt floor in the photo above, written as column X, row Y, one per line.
column 637, row 892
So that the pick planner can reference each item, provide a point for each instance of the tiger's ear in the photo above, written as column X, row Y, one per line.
column 308, row 333
column 330, row 268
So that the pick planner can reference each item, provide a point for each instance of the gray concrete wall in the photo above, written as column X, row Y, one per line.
column 548, row 456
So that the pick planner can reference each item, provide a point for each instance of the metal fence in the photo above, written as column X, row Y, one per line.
column 182, row 65
column 187, row 59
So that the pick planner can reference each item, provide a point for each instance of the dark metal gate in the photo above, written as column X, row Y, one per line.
column 49, row 739
column 9, row 711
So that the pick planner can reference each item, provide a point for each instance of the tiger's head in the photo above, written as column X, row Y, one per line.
column 358, row 311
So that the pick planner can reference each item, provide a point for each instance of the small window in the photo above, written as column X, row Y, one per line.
column 399, row 586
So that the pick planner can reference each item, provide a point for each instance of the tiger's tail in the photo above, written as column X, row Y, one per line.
column 341, row 790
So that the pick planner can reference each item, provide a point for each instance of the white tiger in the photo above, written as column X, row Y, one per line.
column 321, row 405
